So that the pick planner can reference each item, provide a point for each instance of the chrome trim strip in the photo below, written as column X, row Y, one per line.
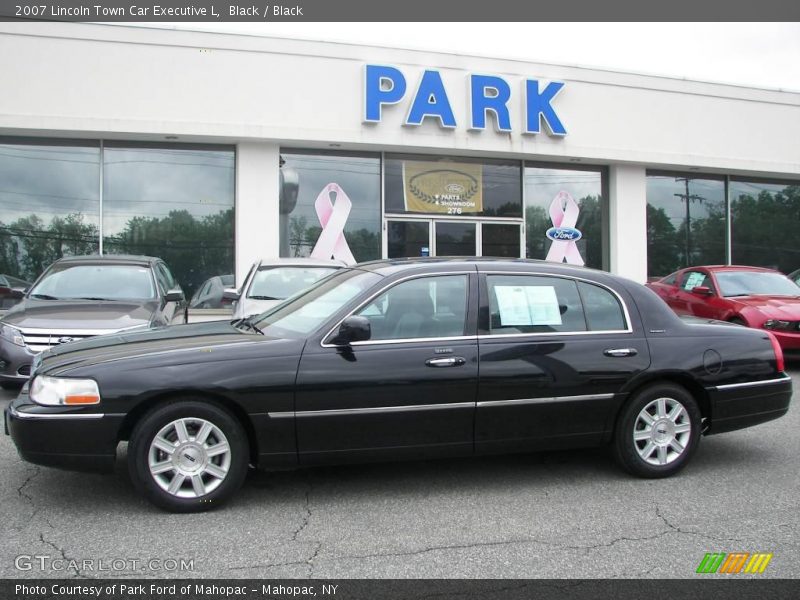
column 545, row 400
column 26, row 415
column 499, row 336
column 747, row 384
column 408, row 340
column 370, row 410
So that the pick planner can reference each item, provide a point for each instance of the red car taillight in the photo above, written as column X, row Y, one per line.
column 778, row 353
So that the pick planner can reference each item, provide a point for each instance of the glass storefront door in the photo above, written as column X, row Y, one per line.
column 439, row 237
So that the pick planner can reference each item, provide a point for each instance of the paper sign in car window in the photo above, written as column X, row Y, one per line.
column 693, row 280
column 527, row 305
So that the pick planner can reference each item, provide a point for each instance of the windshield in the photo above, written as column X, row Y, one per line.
column 755, row 283
column 300, row 316
column 278, row 283
column 96, row 282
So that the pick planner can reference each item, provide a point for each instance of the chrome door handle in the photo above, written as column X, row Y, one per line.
column 450, row 361
column 620, row 352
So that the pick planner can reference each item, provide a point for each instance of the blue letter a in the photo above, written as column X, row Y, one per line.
column 431, row 101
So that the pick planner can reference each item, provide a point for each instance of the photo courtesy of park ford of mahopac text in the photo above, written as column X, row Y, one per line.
column 358, row 300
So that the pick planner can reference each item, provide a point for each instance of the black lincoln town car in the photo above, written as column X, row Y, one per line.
column 401, row 359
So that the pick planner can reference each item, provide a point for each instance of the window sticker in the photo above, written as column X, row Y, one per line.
column 527, row 305
column 693, row 280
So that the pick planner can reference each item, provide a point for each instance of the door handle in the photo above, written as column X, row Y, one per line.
column 620, row 352
column 450, row 361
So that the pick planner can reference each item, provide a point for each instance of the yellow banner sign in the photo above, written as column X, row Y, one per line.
column 448, row 188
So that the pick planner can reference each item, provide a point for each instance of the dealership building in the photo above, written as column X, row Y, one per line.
column 212, row 150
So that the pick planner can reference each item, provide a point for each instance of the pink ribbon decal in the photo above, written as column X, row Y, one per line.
column 564, row 213
column 332, row 217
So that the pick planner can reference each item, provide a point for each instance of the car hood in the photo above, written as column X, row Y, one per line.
column 785, row 308
column 80, row 314
column 161, row 342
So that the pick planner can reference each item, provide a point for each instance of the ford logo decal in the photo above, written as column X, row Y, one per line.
column 567, row 234
column 65, row 340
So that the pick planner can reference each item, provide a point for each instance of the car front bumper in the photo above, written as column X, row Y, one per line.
column 740, row 405
column 790, row 342
column 63, row 437
column 15, row 362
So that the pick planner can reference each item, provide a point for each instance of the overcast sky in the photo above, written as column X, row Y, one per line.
column 763, row 55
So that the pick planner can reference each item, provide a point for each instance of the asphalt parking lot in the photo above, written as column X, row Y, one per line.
column 564, row 514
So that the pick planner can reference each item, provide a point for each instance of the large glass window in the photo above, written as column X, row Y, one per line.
column 686, row 222
column 452, row 186
column 765, row 224
column 321, row 178
column 174, row 202
column 567, row 200
column 49, row 204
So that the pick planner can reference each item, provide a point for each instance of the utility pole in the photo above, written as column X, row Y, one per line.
column 688, row 199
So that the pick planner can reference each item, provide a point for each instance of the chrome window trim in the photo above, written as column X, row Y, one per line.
column 369, row 410
column 27, row 415
column 543, row 400
column 388, row 286
column 625, row 312
column 747, row 384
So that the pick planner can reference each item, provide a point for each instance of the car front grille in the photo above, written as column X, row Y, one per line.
column 39, row 340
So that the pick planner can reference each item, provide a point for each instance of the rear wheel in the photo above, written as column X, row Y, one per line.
column 188, row 456
column 658, row 431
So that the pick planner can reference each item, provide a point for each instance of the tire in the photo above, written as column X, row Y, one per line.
column 206, row 480
column 657, row 455
column 11, row 386
column 737, row 321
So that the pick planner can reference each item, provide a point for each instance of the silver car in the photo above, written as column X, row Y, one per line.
column 269, row 282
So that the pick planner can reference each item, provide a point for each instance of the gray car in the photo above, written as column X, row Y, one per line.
column 84, row 296
column 270, row 282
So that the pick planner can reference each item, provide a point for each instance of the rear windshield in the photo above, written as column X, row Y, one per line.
column 96, row 282
column 278, row 283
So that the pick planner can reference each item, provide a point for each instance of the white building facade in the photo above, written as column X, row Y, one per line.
column 213, row 150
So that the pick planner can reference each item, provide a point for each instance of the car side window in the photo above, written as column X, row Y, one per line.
column 534, row 304
column 168, row 278
column 670, row 280
column 693, row 279
column 602, row 308
column 426, row 307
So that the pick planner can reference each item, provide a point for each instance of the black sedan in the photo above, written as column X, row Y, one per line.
column 401, row 359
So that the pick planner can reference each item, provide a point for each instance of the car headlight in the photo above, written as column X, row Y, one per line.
column 777, row 324
column 12, row 334
column 59, row 391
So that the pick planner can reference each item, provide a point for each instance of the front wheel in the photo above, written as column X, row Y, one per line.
column 188, row 456
column 658, row 431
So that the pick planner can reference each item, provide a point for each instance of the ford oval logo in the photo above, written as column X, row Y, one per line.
column 567, row 234
column 65, row 340
column 454, row 188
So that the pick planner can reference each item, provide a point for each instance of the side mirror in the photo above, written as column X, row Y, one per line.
column 230, row 294
column 353, row 329
column 174, row 295
column 702, row 290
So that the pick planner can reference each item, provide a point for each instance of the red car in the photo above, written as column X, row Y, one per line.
column 751, row 296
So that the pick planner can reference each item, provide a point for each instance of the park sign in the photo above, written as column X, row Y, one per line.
column 487, row 95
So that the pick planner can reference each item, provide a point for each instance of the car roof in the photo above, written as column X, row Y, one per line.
column 109, row 258
column 300, row 261
column 389, row 267
column 736, row 268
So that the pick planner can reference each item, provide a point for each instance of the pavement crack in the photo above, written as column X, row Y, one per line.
column 438, row 549
column 307, row 510
column 24, row 494
column 71, row 563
